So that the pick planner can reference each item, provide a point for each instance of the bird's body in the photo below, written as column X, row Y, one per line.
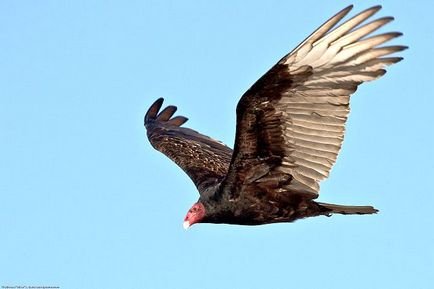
column 290, row 128
column 259, row 211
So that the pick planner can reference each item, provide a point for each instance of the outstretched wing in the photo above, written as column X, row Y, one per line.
column 290, row 123
column 204, row 159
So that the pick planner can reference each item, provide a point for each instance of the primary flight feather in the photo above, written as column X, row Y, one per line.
column 290, row 128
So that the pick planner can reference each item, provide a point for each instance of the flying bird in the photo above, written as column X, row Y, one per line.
column 290, row 127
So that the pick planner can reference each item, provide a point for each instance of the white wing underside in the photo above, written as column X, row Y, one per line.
column 316, row 111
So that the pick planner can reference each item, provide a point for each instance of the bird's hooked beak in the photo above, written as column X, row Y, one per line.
column 194, row 215
column 186, row 225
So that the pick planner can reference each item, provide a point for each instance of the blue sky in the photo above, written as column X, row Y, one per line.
column 85, row 201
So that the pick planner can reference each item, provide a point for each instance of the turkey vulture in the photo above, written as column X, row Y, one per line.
column 290, row 128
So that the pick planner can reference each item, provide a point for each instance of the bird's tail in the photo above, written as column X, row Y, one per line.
column 348, row 210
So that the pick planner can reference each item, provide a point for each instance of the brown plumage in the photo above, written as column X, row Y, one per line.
column 290, row 128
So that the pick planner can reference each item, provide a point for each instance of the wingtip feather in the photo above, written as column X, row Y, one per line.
column 347, row 9
column 167, row 113
column 154, row 109
column 376, row 7
column 178, row 120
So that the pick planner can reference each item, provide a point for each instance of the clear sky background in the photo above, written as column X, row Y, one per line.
column 86, row 202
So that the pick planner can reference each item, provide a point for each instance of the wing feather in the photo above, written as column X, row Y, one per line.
column 177, row 120
column 204, row 159
column 167, row 113
column 291, row 122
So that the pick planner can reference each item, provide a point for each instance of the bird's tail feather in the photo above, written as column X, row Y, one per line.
column 349, row 210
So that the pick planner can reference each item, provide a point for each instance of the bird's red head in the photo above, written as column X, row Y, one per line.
column 194, row 215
